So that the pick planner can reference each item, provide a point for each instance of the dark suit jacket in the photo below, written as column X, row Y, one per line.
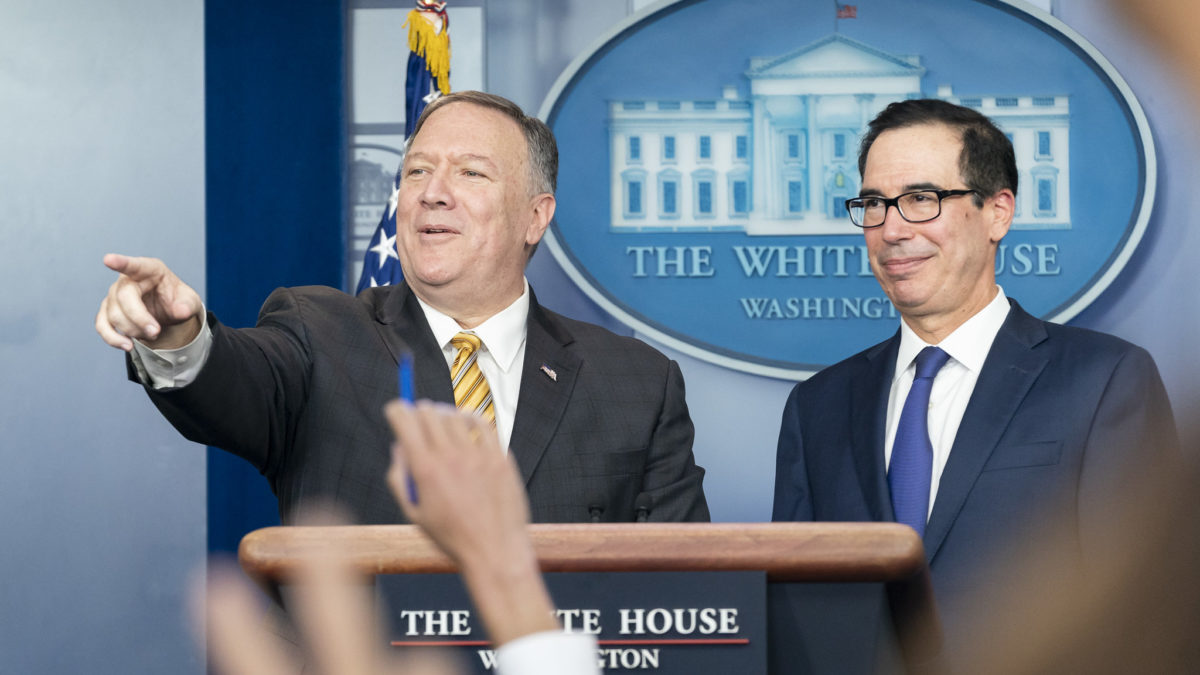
column 1060, row 420
column 301, row 396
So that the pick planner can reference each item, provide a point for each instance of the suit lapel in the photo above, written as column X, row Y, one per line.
column 547, row 379
column 403, row 328
column 1008, row 373
column 868, row 419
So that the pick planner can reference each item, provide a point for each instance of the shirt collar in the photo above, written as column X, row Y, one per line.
column 502, row 334
column 969, row 344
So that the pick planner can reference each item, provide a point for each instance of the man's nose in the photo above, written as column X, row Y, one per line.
column 894, row 226
column 436, row 192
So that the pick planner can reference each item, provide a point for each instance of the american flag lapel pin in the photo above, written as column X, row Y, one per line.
column 549, row 372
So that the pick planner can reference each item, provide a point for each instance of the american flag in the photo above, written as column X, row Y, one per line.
column 428, row 77
column 847, row 11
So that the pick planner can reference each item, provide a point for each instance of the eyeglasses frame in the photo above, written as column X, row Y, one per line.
column 895, row 201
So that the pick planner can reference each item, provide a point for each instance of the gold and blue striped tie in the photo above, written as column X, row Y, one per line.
column 471, row 390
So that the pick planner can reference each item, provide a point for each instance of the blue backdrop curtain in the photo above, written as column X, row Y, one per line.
column 275, row 111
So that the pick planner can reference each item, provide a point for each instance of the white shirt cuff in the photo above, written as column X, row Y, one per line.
column 549, row 652
column 173, row 368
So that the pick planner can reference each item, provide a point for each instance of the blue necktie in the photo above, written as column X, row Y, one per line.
column 912, row 453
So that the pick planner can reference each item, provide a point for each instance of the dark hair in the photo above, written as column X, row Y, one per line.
column 987, row 162
column 543, row 151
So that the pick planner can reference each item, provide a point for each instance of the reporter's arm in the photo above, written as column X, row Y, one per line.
column 548, row 653
column 470, row 500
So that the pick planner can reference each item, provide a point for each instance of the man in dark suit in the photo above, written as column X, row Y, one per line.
column 596, row 422
column 976, row 423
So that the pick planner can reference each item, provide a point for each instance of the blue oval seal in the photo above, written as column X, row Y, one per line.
column 707, row 146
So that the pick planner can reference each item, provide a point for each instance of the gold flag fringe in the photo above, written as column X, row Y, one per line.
column 426, row 41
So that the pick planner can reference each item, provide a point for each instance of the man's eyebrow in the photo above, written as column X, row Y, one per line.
column 457, row 159
column 922, row 186
column 469, row 157
column 911, row 187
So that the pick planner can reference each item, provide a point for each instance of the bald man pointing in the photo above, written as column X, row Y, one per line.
column 597, row 423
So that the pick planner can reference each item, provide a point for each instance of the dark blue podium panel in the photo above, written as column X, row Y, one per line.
column 831, row 629
column 667, row 622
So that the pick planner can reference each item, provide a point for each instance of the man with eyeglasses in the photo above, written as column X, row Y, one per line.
column 976, row 423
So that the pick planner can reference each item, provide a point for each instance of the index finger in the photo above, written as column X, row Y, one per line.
column 133, row 266
column 237, row 642
column 334, row 610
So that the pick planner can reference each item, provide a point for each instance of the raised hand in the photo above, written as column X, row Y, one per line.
column 471, row 502
column 469, row 495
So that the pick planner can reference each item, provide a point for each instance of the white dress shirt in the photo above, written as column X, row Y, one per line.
column 549, row 653
column 500, row 358
column 968, row 347
column 166, row 368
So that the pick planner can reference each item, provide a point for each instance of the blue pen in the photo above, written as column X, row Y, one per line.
column 404, row 377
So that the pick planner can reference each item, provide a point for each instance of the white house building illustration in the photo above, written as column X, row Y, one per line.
column 783, row 161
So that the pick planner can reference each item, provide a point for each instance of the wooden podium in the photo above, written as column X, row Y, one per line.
column 789, row 553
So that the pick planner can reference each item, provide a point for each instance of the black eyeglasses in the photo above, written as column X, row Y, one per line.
column 920, row 206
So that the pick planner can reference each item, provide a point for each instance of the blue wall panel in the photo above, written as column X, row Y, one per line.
column 275, row 117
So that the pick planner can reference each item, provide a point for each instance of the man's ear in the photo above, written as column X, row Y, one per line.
column 541, row 213
column 1001, row 207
